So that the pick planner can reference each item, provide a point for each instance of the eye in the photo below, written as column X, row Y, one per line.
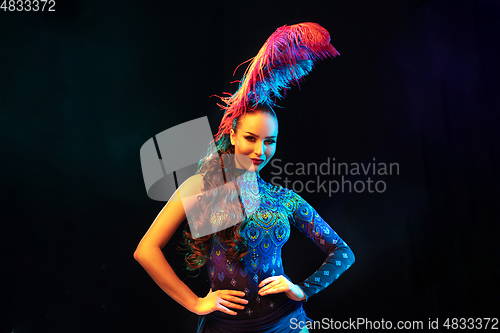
column 250, row 138
column 270, row 141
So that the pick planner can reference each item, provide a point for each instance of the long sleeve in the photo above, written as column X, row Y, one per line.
column 339, row 255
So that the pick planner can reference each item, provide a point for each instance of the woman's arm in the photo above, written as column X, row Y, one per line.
column 150, row 256
column 339, row 255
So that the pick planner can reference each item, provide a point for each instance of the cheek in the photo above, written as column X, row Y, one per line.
column 270, row 151
column 244, row 147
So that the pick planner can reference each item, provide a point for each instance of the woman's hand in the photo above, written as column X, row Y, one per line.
column 279, row 284
column 220, row 300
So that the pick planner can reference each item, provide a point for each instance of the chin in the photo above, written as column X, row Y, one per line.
column 260, row 167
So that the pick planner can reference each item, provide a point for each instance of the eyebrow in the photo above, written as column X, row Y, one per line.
column 268, row 137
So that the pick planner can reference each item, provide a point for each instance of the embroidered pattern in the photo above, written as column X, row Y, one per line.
column 268, row 229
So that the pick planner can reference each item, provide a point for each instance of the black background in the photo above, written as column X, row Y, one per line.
column 82, row 88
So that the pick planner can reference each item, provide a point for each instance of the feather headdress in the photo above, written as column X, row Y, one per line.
column 286, row 57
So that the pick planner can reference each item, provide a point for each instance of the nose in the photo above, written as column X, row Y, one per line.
column 259, row 148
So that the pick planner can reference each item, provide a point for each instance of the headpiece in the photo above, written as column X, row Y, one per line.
column 286, row 57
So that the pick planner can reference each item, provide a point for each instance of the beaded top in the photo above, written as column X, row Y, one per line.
column 271, row 209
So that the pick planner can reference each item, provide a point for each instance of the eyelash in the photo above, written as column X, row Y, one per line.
column 251, row 138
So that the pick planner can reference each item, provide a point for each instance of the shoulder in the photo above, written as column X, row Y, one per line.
column 192, row 186
column 196, row 179
column 188, row 193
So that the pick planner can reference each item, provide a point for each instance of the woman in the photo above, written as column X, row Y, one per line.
column 249, row 218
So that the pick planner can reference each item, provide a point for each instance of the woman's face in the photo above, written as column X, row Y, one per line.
column 254, row 140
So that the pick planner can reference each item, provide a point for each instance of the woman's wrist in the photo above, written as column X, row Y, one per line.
column 194, row 308
column 296, row 293
column 301, row 294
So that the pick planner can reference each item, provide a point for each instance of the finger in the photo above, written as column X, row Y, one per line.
column 274, row 289
column 267, row 280
column 266, row 288
column 236, row 299
column 233, row 292
column 229, row 304
column 270, row 285
column 222, row 308
column 233, row 305
column 232, row 295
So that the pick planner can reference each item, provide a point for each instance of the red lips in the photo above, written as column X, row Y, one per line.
column 257, row 161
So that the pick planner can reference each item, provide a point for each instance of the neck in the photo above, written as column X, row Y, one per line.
column 238, row 169
column 247, row 174
column 241, row 168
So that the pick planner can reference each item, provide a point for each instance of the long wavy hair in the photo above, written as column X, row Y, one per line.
column 285, row 58
column 216, row 197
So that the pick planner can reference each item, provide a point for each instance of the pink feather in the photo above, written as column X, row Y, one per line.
column 286, row 56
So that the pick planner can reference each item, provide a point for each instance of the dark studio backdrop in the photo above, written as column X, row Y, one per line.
column 84, row 87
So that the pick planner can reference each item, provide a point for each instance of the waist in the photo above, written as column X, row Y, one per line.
column 258, row 306
column 256, row 323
